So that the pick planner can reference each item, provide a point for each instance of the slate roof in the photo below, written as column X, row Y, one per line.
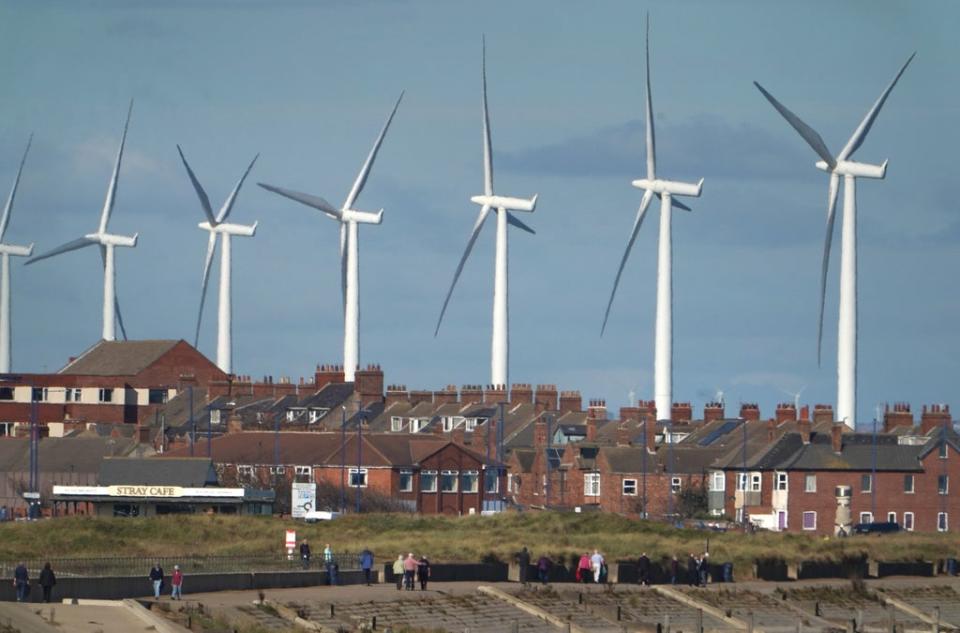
column 188, row 472
column 857, row 453
column 118, row 358
column 63, row 454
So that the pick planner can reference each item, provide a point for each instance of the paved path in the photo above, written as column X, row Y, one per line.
column 71, row 618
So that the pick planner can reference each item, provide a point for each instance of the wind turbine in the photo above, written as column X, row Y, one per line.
column 7, row 250
column 503, row 205
column 217, row 225
column 107, row 242
column 841, row 165
column 665, row 190
column 349, row 219
column 796, row 396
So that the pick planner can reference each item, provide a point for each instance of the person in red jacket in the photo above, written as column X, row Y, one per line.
column 176, row 581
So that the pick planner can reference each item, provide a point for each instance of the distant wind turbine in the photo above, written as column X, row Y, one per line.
column 665, row 190
column 7, row 250
column 502, row 205
column 107, row 242
column 841, row 165
column 349, row 219
column 217, row 225
column 796, row 396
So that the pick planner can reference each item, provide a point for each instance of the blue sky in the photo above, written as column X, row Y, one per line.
column 308, row 84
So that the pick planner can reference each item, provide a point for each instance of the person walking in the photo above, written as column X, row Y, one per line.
column 409, row 571
column 693, row 574
column 423, row 572
column 674, row 570
column 703, row 569
column 330, row 563
column 523, row 560
column 596, row 564
column 643, row 569
column 156, row 577
column 543, row 568
column 21, row 580
column 305, row 553
column 47, row 580
column 176, row 584
column 583, row 569
column 366, row 564
column 398, row 572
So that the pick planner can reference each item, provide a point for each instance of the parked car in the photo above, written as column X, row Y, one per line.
column 319, row 515
column 882, row 527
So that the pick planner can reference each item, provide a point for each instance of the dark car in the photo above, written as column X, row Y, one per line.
column 883, row 527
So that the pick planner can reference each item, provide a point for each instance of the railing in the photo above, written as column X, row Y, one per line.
column 189, row 564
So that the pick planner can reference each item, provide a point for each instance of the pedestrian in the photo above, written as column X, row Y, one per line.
column 398, row 571
column 693, row 574
column 703, row 569
column 330, row 563
column 3, row 513
column 643, row 569
column 409, row 571
column 423, row 572
column 156, row 577
column 47, row 580
column 21, row 580
column 543, row 568
column 597, row 564
column 305, row 553
column 176, row 582
column 674, row 570
column 523, row 560
column 583, row 569
column 366, row 564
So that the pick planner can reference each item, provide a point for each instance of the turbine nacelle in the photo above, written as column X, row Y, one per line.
column 670, row 187
column 506, row 202
column 361, row 217
column 108, row 239
column 230, row 229
column 853, row 168
column 18, row 251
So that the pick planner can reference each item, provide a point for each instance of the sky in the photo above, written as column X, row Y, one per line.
column 308, row 86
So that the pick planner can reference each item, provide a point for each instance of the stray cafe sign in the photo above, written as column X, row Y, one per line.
column 145, row 491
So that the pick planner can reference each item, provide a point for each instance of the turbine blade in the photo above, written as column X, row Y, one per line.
column 112, row 189
column 5, row 220
column 228, row 205
column 831, row 216
column 487, row 146
column 211, row 250
column 372, row 156
column 861, row 132
column 651, row 140
column 204, row 200
column 477, row 226
column 641, row 212
column 808, row 133
column 116, row 300
column 304, row 198
column 515, row 221
column 63, row 248
column 676, row 203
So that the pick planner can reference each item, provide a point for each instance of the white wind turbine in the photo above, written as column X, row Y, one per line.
column 217, row 225
column 841, row 165
column 503, row 205
column 349, row 219
column 107, row 242
column 665, row 190
column 6, row 250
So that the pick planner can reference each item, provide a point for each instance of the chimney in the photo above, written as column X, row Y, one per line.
column 546, row 398
column 823, row 413
column 540, row 434
column 899, row 416
column 803, row 426
column 471, row 394
column 650, row 434
column 786, row 412
column 447, row 396
column 713, row 411
column 836, row 437
column 234, row 422
column 418, row 396
column 491, row 437
column 934, row 416
column 397, row 393
column 368, row 385
column 631, row 414
column 648, row 409
column 805, row 412
column 771, row 430
column 623, row 434
column 495, row 394
column 750, row 412
column 597, row 410
column 570, row 402
column 521, row 393
column 591, row 429
column 681, row 412
column 326, row 374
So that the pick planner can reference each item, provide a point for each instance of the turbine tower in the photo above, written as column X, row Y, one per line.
column 107, row 242
column 503, row 205
column 838, row 166
column 349, row 219
column 6, row 250
column 665, row 190
column 217, row 225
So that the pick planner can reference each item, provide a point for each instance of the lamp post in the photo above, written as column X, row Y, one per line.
column 360, row 422
column 343, row 458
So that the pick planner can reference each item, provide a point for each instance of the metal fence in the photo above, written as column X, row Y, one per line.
column 189, row 564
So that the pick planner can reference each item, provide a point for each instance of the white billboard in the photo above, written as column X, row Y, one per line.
column 304, row 499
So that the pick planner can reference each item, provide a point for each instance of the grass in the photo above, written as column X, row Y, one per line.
column 447, row 539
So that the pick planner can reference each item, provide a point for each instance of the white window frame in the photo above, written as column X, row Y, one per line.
column 105, row 395
column 943, row 450
column 945, row 490
column 396, row 424
column 742, row 479
column 629, row 487
column 803, row 522
column 72, row 394
column 278, row 470
column 676, row 485
column 315, row 414
column 465, row 477
column 447, row 424
column 469, row 424
column 908, row 521
column 943, row 522
column 42, row 392
column 300, row 471
column 810, row 482
column 214, row 416
column 756, row 481
column 429, row 474
column 491, row 474
column 361, row 477
column 913, row 484
column 718, row 481
column 244, row 470
column 868, row 479
column 891, row 517
column 408, row 473
column 291, row 415
column 416, row 424
column 866, row 517
column 591, row 484
column 780, row 481
column 454, row 476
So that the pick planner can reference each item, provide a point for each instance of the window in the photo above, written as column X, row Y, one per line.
column 214, row 416
column 470, row 424
column 908, row 521
column 72, row 394
column 303, row 472
column 396, row 423
column 105, row 395
column 810, row 483
column 470, row 481
column 741, row 481
column 781, row 479
column 416, row 424
column 941, row 522
column 406, row 481
column 428, row 481
column 447, row 424
column 908, row 484
column 358, row 477
column 448, row 480
column 891, row 517
column 591, row 485
column 630, row 487
column 809, row 520
column 6, row 393
column 315, row 414
column 39, row 394
column 943, row 450
column 156, row 396
column 866, row 483
column 718, row 481
column 943, row 484
column 278, row 470
column 675, row 483
column 291, row 415
column 755, row 482
column 866, row 517
column 245, row 470
column 491, row 481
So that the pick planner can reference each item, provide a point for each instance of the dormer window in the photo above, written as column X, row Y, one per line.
column 396, row 423
column 214, row 416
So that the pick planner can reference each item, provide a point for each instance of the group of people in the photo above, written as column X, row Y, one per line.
column 21, row 581
column 697, row 569
column 410, row 569
column 332, row 566
column 593, row 568
column 176, row 582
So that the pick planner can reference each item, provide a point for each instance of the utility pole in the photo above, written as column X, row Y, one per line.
column 547, row 456
column 343, row 458
column 360, row 421
column 193, row 421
